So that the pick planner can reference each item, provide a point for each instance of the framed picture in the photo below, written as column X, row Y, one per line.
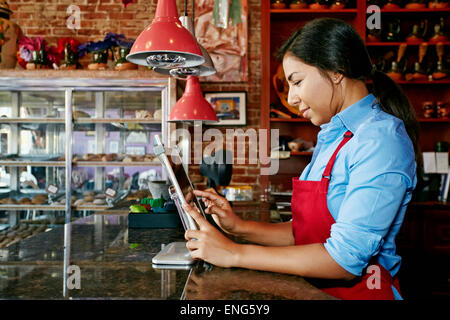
column 230, row 107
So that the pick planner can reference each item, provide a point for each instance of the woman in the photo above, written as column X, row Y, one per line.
column 349, row 202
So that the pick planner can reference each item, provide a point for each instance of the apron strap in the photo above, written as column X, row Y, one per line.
column 326, row 176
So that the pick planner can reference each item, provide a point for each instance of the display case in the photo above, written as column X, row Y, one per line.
column 70, row 146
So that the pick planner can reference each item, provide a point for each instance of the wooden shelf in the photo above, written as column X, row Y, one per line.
column 12, row 163
column 42, row 207
column 443, row 120
column 289, row 120
column 395, row 44
column 434, row 82
column 351, row 10
column 48, row 207
column 91, row 74
column 31, row 120
column 121, row 120
column 425, row 10
column 21, row 163
column 115, row 164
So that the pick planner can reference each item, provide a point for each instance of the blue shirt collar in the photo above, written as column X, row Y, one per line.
column 356, row 114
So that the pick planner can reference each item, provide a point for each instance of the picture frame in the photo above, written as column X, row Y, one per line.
column 230, row 107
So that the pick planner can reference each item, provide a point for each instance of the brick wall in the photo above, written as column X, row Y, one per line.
column 47, row 18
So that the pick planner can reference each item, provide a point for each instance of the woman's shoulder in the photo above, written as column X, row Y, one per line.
column 382, row 144
column 386, row 128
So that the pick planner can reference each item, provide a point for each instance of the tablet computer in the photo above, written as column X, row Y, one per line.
column 181, row 190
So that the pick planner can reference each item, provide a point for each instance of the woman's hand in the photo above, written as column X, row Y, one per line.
column 208, row 243
column 221, row 210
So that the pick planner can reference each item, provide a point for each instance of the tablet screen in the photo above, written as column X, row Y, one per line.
column 185, row 183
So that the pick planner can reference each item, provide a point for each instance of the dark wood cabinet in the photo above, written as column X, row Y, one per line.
column 424, row 239
column 424, row 245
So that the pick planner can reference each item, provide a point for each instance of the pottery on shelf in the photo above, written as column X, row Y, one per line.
column 418, row 33
column 438, row 4
column 393, row 31
column 439, row 32
column 337, row 5
column 318, row 5
column 38, row 60
column 391, row 4
column 121, row 63
column 99, row 60
column 70, row 59
column 416, row 4
column 298, row 4
column 278, row 4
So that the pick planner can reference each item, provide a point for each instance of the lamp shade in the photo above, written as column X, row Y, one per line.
column 192, row 106
column 165, row 43
column 204, row 70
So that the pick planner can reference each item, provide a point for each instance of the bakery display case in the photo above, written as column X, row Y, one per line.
column 71, row 146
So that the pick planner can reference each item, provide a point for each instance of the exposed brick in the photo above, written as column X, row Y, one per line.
column 48, row 18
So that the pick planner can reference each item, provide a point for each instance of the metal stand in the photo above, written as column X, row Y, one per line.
column 174, row 254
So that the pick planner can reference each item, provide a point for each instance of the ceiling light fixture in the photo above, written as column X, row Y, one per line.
column 204, row 70
column 165, row 43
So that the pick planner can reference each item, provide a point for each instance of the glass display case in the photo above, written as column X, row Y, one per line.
column 70, row 147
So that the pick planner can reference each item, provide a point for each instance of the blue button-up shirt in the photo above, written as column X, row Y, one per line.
column 371, row 184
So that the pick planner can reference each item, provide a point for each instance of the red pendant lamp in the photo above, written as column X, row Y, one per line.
column 165, row 43
column 192, row 106
column 204, row 70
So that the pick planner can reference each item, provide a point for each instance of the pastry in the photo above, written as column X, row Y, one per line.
column 127, row 159
column 100, row 196
column 80, row 114
column 144, row 114
column 25, row 201
column 109, row 157
column 149, row 158
column 96, row 157
column 39, row 199
column 79, row 202
column 157, row 115
column 11, row 201
column 99, row 201
column 89, row 193
column 88, row 199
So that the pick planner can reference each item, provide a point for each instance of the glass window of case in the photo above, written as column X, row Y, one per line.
column 42, row 104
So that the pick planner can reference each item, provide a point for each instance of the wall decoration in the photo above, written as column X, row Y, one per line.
column 230, row 107
column 9, row 35
column 226, row 43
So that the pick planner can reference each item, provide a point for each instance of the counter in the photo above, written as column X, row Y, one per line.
column 115, row 263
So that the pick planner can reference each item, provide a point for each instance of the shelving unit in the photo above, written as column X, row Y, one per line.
column 423, row 241
column 396, row 44
column 31, row 100
column 278, row 24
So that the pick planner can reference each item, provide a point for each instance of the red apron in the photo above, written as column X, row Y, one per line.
column 311, row 223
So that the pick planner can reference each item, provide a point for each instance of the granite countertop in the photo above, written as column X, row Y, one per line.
column 115, row 263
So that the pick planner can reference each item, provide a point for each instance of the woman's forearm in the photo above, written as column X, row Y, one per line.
column 310, row 260
column 266, row 233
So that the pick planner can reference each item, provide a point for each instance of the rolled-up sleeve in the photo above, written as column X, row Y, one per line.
column 379, row 178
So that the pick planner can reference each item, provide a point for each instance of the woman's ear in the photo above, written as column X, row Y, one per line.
column 336, row 77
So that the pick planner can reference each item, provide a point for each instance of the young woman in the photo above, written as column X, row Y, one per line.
column 349, row 202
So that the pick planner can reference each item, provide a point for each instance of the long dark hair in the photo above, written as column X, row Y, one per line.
column 333, row 45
